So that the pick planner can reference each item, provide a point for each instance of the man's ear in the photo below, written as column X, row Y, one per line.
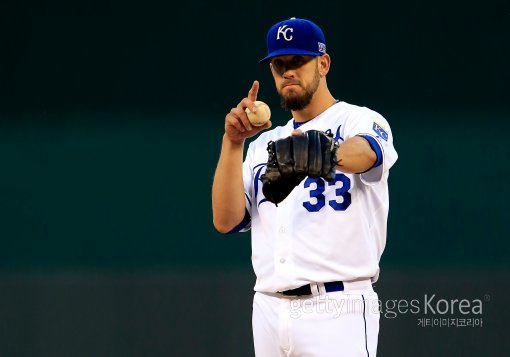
column 324, row 64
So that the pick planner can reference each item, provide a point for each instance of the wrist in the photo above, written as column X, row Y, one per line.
column 232, row 144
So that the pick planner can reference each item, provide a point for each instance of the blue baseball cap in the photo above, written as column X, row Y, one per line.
column 295, row 37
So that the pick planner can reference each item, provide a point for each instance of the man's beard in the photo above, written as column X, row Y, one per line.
column 299, row 102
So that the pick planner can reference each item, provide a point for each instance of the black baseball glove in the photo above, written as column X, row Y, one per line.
column 293, row 158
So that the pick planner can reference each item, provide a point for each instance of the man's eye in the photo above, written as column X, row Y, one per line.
column 298, row 60
column 278, row 65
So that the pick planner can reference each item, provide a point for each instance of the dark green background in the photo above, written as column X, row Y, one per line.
column 111, row 121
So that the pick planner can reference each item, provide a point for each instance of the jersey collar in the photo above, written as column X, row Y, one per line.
column 296, row 124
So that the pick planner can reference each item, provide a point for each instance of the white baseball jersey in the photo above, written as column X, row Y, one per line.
column 322, row 231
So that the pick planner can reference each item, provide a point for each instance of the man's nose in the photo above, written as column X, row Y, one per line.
column 288, row 73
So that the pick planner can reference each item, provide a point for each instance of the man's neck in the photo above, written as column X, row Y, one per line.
column 321, row 101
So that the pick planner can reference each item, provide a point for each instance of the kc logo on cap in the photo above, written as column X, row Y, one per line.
column 282, row 30
column 295, row 37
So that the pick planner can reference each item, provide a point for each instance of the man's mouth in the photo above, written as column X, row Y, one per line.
column 290, row 84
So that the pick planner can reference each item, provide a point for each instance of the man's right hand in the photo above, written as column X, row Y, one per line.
column 237, row 124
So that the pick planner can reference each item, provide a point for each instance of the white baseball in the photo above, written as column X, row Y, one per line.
column 261, row 116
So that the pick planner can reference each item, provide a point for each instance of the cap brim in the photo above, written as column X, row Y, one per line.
column 290, row 51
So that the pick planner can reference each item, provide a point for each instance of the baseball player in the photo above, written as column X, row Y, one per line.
column 315, row 194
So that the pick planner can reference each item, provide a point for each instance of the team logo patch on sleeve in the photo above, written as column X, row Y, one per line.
column 379, row 130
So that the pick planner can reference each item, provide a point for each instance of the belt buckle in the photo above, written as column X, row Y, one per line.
column 315, row 288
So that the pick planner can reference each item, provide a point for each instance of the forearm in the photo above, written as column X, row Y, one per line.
column 355, row 155
column 228, row 190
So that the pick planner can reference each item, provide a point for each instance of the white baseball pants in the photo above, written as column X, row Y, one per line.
column 343, row 323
